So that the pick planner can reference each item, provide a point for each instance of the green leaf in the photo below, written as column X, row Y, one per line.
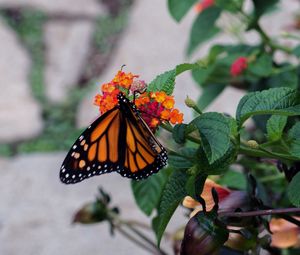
column 296, row 51
column 294, row 135
column 261, row 7
column 230, row 5
column 280, row 101
column 234, row 180
column 214, row 131
column 219, row 166
column 163, row 82
column 183, row 159
column 179, row 8
column 195, row 184
column 275, row 126
column 147, row 193
column 287, row 78
column 209, row 94
column 166, row 81
column 262, row 67
column 179, row 133
column 203, row 28
column 172, row 196
column 294, row 191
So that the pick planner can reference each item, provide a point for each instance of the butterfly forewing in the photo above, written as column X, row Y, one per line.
column 96, row 151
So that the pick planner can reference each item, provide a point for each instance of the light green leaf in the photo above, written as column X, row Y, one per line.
column 214, row 131
column 166, row 81
column 294, row 135
column 147, row 193
column 275, row 126
column 280, row 101
column 209, row 94
column 234, row 180
column 287, row 78
column 172, row 195
column 294, row 191
column 179, row 8
column 203, row 28
column 262, row 66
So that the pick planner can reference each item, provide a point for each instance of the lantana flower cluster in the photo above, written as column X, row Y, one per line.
column 154, row 107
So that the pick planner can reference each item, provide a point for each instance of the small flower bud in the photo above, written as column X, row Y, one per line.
column 139, row 86
column 91, row 213
column 190, row 102
column 252, row 144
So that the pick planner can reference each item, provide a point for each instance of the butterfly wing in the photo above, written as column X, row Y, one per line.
column 96, row 151
column 144, row 155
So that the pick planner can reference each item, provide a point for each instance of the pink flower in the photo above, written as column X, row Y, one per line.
column 238, row 66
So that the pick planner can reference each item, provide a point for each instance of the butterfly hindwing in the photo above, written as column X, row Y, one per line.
column 144, row 155
column 118, row 140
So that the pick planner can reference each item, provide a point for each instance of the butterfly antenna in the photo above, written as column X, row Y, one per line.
column 122, row 67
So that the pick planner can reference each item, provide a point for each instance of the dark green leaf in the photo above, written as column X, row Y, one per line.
column 280, row 101
column 214, row 131
column 147, row 193
column 179, row 8
column 182, row 159
column 209, row 94
column 195, row 184
column 262, row 66
column 203, row 28
column 179, row 133
column 261, row 7
column 172, row 195
column 219, row 166
column 294, row 191
column 275, row 126
column 230, row 5
column 294, row 135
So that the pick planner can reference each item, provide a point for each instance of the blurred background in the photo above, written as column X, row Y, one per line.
column 54, row 55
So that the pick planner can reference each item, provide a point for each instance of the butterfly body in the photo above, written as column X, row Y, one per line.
column 119, row 140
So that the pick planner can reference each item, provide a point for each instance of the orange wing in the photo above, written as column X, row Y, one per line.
column 96, row 151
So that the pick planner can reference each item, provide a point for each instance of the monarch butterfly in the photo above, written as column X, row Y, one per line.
column 119, row 140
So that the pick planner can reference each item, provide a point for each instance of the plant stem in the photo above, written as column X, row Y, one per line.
column 145, row 238
column 271, row 178
column 260, row 212
column 134, row 240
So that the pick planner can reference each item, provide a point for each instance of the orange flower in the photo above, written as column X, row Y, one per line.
column 168, row 102
column 97, row 100
column 176, row 116
column 159, row 96
column 108, row 87
column 154, row 123
column 124, row 79
column 285, row 234
column 142, row 99
column 165, row 114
